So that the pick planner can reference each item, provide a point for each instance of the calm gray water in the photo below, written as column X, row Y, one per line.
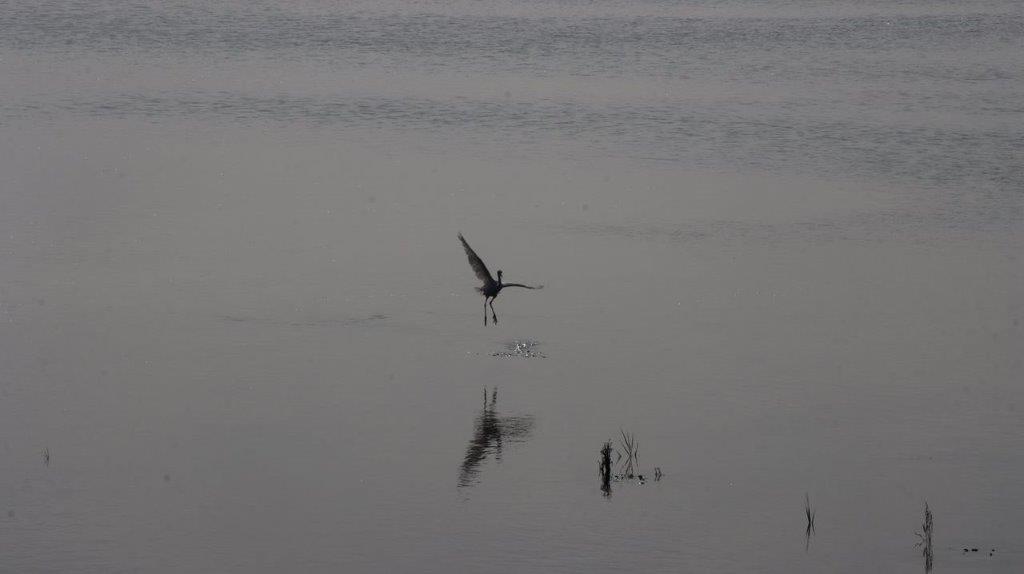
column 780, row 241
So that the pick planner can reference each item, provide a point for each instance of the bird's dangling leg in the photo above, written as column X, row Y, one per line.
column 485, row 311
column 493, row 314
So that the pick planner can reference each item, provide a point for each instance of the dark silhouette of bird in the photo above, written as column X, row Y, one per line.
column 490, row 288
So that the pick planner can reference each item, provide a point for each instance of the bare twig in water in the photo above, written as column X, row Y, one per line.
column 631, row 463
column 605, row 467
column 808, row 512
column 926, row 538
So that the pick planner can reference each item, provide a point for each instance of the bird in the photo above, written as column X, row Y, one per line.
column 490, row 288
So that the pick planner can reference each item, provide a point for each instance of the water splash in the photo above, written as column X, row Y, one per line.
column 525, row 348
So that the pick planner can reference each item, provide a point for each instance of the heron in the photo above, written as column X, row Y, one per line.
column 490, row 288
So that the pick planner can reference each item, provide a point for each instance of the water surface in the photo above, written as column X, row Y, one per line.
column 780, row 243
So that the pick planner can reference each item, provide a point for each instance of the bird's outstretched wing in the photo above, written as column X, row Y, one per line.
column 476, row 263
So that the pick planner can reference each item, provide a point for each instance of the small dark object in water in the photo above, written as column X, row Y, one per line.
column 809, row 513
column 926, row 539
column 46, row 456
column 605, row 466
column 974, row 549
column 626, row 460
column 966, row 549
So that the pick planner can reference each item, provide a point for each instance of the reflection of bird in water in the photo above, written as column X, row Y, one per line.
column 490, row 288
column 490, row 431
